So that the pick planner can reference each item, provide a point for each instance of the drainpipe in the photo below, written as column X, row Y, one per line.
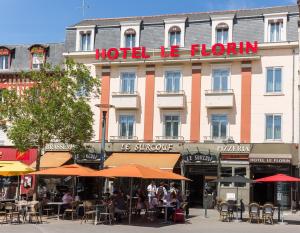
column 293, row 99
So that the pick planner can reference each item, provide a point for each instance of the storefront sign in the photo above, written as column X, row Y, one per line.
column 90, row 156
column 234, row 156
column 58, row 147
column 198, row 157
column 217, row 49
column 147, row 147
column 234, row 148
column 270, row 160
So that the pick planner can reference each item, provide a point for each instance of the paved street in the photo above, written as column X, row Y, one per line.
column 197, row 223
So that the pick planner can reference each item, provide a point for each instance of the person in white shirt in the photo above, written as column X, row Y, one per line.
column 151, row 189
column 161, row 192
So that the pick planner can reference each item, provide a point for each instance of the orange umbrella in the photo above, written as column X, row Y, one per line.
column 137, row 171
column 66, row 170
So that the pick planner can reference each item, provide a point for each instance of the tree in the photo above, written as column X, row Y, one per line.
column 54, row 109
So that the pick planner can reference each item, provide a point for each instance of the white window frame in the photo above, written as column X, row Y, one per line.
column 126, row 113
column 175, row 113
column 3, row 66
column 216, row 20
column 265, row 129
column 135, row 25
column 270, row 17
column 173, row 68
column 128, row 70
column 169, row 23
column 40, row 64
column 82, row 30
column 266, row 81
column 211, row 125
column 220, row 67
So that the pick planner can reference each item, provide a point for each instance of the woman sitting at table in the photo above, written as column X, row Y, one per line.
column 174, row 204
column 67, row 200
column 140, row 201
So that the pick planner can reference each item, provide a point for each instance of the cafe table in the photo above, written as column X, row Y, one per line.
column 166, row 207
column 58, row 204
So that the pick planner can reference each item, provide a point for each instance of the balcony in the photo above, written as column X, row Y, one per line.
column 169, row 138
column 171, row 100
column 123, row 138
column 219, row 98
column 211, row 139
column 125, row 100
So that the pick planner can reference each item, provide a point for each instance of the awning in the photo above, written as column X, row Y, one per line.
column 160, row 161
column 278, row 153
column 53, row 159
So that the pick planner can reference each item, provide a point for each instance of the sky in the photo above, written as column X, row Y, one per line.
column 44, row 21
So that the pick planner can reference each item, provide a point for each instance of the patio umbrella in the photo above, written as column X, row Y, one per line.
column 66, row 170
column 137, row 171
column 278, row 178
column 14, row 168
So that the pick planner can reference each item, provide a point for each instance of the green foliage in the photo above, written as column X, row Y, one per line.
column 51, row 109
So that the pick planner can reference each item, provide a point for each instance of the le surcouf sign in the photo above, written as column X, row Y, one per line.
column 146, row 147
column 217, row 49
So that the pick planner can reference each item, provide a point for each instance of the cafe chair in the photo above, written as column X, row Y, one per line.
column 11, row 212
column 35, row 212
column 267, row 213
column 2, row 213
column 254, row 212
column 71, row 211
column 224, row 212
column 106, row 213
column 89, row 211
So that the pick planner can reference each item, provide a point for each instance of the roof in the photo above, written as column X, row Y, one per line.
column 196, row 16
column 53, row 159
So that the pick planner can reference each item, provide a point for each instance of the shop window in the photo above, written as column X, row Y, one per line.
column 4, row 62
column 172, row 81
column 126, row 126
column 174, row 36
column 274, row 80
column 85, row 41
column 220, row 80
column 222, row 33
column 240, row 171
column 219, row 126
column 226, row 172
column 128, row 82
column 273, row 127
column 130, row 38
column 171, row 126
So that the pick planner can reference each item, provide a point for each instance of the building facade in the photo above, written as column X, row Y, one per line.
column 218, row 89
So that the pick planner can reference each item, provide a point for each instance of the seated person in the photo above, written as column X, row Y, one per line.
column 67, row 199
column 174, row 204
column 119, row 205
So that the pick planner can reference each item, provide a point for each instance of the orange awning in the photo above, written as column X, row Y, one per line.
column 66, row 170
column 155, row 160
column 137, row 171
column 53, row 159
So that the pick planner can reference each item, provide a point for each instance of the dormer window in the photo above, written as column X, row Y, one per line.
column 174, row 36
column 38, row 56
column 275, row 30
column 85, row 41
column 130, row 38
column 4, row 58
column 222, row 33
column 85, row 38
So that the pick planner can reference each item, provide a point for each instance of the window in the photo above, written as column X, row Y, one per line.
column 85, row 41
column 174, row 36
column 274, row 79
column 128, row 82
column 130, row 36
column 1, row 95
column 126, row 126
column 37, row 60
column 219, row 126
column 226, row 172
column 275, row 30
column 4, row 62
column 240, row 171
column 171, row 126
column 220, row 79
column 222, row 33
column 233, row 171
column 172, row 81
column 273, row 127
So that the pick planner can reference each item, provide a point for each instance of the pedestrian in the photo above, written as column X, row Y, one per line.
column 151, row 189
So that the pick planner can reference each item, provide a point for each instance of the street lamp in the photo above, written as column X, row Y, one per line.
column 104, row 113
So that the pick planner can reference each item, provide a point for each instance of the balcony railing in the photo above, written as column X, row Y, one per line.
column 219, row 98
column 171, row 99
column 125, row 100
column 123, row 138
column 211, row 139
column 169, row 138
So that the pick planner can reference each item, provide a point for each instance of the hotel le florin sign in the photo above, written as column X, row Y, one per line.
column 218, row 49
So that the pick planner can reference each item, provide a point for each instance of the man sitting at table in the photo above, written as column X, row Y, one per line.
column 67, row 200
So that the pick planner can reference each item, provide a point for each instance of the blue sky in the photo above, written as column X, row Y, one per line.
column 42, row 21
